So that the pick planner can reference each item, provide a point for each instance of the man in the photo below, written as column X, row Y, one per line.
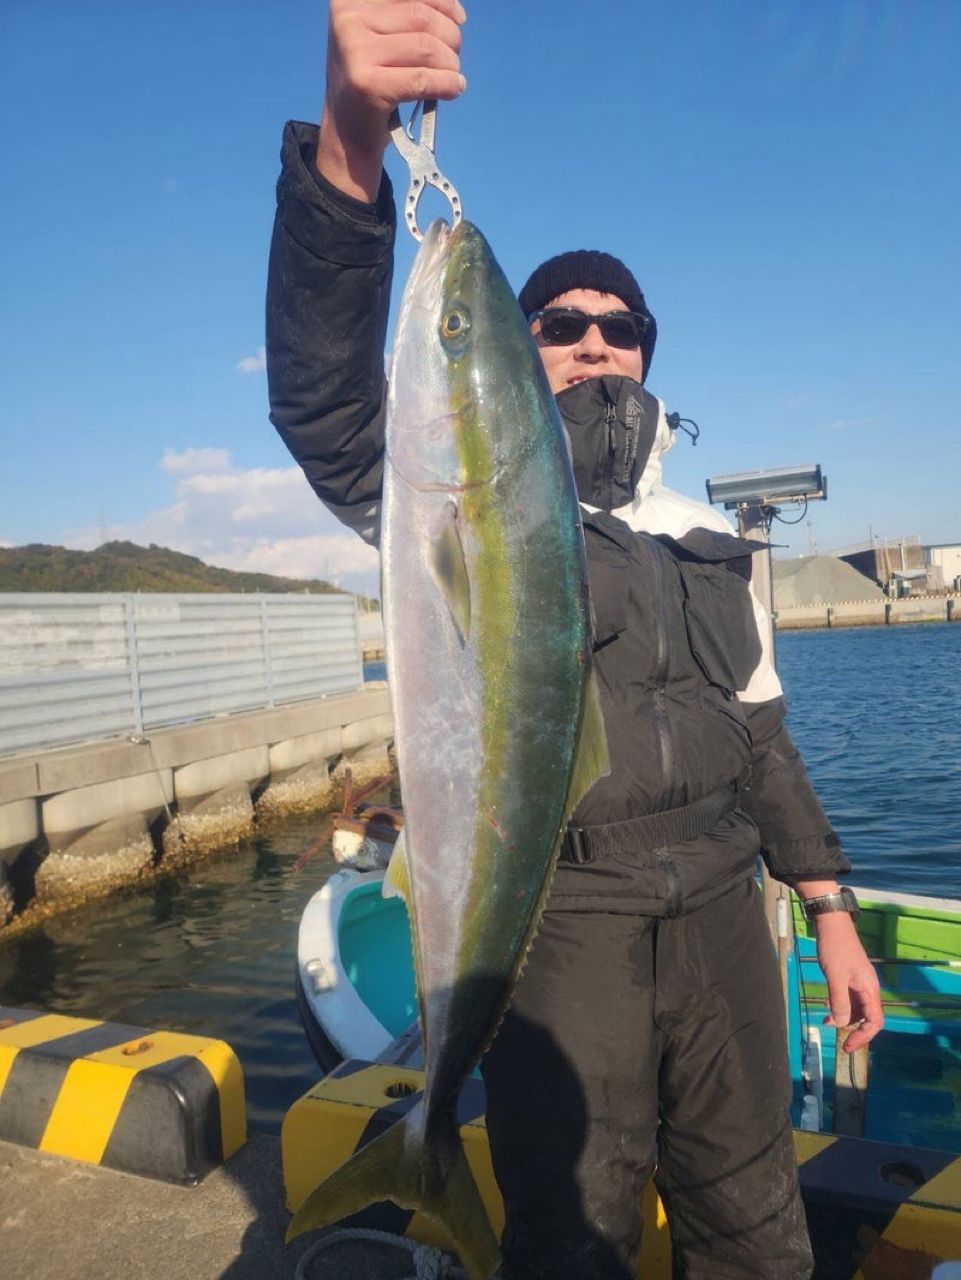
column 647, row 1028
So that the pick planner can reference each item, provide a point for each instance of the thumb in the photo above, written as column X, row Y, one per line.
column 840, row 1015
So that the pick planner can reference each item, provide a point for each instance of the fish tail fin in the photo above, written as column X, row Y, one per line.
column 400, row 1166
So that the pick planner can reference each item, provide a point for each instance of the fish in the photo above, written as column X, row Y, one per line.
column 498, row 730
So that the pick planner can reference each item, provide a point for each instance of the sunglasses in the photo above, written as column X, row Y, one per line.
column 563, row 326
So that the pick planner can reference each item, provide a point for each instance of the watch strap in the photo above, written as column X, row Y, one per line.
column 825, row 903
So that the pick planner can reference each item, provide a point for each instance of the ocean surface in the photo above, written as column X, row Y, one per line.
column 875, row 711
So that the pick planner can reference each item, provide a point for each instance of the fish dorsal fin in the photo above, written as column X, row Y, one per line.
column 448, row 566
column 397, row 876
column 593, row 759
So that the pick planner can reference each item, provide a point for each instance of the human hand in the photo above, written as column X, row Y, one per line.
column 381, row 53
column 853, row 990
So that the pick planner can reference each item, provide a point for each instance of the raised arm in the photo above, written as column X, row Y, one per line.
column 331, row 255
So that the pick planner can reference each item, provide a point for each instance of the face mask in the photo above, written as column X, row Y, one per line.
column 611, row 422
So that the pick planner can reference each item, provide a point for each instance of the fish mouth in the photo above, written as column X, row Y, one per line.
column 426, row 276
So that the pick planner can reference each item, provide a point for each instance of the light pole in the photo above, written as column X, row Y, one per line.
column 758, row 497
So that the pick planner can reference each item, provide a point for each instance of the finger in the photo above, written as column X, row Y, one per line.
column 405, row 19
column 411, row 84
column 862, row 1035
column 840, row 1015
column 452, row 9
column 866, row 1003
column 415, row 49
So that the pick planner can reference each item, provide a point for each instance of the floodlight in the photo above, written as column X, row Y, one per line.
column 768, row 488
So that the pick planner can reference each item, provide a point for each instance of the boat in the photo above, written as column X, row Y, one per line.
column 355, row 972
column 357, row 996
column 878, row 1134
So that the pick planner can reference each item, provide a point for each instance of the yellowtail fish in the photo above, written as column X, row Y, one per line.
column 497, row 725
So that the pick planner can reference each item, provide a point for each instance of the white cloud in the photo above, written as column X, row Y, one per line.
column 195, row 461
column 265, row 520
column 253, row 364
column 848, row 424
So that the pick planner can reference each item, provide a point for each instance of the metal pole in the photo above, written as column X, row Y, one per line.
column 133, row 661
column 754, row 522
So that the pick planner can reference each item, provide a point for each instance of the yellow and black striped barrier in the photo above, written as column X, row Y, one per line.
column 875, row 1211
column 154, row 1103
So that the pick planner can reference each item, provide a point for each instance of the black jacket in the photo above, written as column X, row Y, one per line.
column 675, row 633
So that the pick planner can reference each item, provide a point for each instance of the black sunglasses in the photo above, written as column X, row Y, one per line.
column 563, row 326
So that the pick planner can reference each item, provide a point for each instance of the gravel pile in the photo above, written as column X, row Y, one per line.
column 810, row 580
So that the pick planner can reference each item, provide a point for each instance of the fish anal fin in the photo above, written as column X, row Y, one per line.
column 448, row 566
column 397, row 876
column 397, row 884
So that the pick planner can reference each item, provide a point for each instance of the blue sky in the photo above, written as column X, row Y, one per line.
column 783, row 178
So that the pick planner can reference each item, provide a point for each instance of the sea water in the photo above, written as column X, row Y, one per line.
column 875, row 711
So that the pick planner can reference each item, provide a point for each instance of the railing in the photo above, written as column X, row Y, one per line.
column 80, row 667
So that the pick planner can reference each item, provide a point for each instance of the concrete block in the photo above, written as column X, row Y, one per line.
column 155, row 1103
column 366, row 763
column 302, row 790
column 193, row 781
column 73, row 811
column 6, row 896
column 69, row 768
column 362, row 733
column 235, row 733
column 107, row 857
column 19, row 827
column 218, row 819
column 309, row 748
column 18, row 779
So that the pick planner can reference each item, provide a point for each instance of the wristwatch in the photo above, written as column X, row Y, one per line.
column 843, row 900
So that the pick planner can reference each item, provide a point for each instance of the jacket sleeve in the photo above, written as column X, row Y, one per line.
column 328, row 296
column 797, row 840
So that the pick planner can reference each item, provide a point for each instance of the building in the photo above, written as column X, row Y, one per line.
column 943, row 563
column 902, row 566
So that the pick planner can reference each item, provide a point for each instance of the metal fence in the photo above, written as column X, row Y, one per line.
column 81, row 667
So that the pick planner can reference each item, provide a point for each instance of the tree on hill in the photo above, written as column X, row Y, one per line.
column 124, row 566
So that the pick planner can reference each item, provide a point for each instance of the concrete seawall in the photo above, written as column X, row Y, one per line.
column 80, row 821
column 870, row 613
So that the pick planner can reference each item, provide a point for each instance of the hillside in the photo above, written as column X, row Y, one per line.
column 123, row 566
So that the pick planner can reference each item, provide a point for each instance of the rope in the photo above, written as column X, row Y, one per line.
column 429, row 1263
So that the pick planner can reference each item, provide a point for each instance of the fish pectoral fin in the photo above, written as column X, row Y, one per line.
column 397, row 876
column 593, row 759
column 448, row 566
column 400, row 1166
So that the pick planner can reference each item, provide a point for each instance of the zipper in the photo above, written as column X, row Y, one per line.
column 661, row 719
column 674, row 900
column 610, row 416
column 632, row 434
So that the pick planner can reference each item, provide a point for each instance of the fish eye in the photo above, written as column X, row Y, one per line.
column 455, row 324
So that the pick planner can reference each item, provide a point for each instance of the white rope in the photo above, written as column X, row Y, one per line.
column 429, row 1263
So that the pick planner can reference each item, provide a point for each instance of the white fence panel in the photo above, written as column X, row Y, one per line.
column 63, row 664
column 79, row 667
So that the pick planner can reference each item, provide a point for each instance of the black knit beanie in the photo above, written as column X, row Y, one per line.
column 588, row 269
